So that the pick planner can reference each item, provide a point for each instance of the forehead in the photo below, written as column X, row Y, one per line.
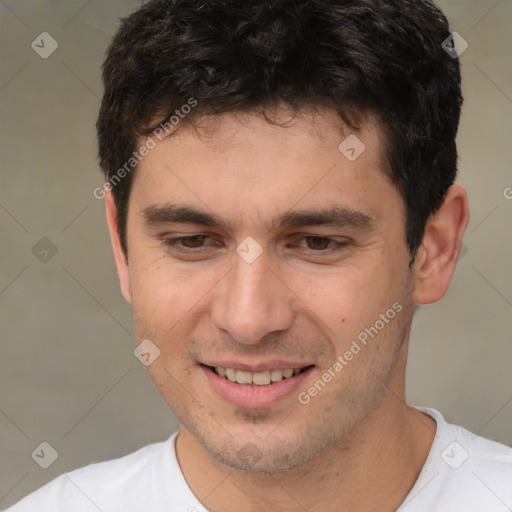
column 242, row 161
column 322, row 126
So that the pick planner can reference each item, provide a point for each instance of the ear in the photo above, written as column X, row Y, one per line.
column 123, row 270
column 437, row 256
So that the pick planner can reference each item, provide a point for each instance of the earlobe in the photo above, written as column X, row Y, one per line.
column 437, row 257
column 123, row 270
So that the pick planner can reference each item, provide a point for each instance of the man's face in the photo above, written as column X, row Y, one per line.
column 268, row 288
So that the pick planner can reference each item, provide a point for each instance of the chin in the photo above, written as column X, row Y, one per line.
column 254, row 461
column 267, row 454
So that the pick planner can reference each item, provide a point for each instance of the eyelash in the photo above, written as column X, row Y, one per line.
column 173, row 243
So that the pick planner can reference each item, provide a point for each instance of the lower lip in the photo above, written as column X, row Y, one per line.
column 254, row 397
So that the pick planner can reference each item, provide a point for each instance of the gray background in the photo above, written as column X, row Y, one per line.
column 67, row 369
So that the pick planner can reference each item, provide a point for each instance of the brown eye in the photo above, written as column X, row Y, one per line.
column 194, row 247
column 192, row 242
column 187, row 243
column 317, row 243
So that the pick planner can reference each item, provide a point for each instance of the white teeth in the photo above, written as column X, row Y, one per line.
column 231, row 374
column 257, row 378
column 276, row 375
column 261, row 378
column 243, row 377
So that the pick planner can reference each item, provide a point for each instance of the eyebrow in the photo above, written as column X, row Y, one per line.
column 335, row 217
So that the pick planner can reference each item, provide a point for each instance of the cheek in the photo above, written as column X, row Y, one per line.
column 167, row 299
column 160, row 297
column 346, row 301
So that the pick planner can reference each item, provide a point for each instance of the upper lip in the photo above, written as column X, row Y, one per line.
column 277, row 364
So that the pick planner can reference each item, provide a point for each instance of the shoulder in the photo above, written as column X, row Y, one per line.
column 485, row 463
column 112, row 485
column 463, row 471
column 465, row 447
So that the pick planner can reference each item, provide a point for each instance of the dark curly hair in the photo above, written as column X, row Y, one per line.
column 358, row 57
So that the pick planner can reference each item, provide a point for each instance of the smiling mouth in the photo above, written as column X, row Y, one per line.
column 256, row 379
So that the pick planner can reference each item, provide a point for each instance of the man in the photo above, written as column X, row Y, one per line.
column 280, row 196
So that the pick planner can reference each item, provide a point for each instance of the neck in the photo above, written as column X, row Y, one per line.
column 374, row 470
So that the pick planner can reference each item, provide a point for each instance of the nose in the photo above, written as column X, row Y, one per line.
column 251, row 302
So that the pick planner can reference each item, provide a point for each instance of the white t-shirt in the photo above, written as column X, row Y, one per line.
column 462, row 472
